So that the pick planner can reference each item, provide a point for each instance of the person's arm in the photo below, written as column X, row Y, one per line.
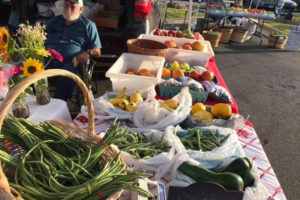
column 93, row 45
column 84, row 56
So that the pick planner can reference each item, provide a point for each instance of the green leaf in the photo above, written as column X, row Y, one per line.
column 29, row 91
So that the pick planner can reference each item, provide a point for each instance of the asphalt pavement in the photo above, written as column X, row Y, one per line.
column 265, row 83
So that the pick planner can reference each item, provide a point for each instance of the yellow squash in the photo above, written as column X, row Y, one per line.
column 203, row 114
column 221, row 110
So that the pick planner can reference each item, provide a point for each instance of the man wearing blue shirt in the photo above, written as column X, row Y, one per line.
column 73, row 36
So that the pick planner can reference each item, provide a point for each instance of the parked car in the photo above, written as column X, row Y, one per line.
column 272, row 4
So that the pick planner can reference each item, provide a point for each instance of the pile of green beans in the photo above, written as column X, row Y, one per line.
column 205, row 140
column 55, row 166
column 139, row 146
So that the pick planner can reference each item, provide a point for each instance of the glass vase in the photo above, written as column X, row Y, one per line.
column 20, row 108
column 42, row 94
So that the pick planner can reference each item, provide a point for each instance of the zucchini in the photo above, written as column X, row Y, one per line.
column 248, row 179
column 228, row 180
column 238, row 166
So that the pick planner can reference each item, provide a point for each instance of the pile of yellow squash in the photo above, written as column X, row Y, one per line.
column 217, row 111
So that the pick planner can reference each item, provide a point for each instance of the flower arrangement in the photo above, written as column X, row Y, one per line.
column 30, row 46
column 27, row 49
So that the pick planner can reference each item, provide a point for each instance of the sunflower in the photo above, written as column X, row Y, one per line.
column 32, row 66
column 43, row 52
column 4, row 38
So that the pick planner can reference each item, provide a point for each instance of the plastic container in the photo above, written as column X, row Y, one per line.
column 119, row 78
column 177, row 29
column 177, row 40
column 194, row 58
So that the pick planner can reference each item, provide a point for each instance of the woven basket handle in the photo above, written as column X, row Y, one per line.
column 18, row 89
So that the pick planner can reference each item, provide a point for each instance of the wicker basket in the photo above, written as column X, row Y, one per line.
column 277, row 42
column 226, row 33
column 238, row 35
column 213, row 37
column 147, row 47
column 68, row 127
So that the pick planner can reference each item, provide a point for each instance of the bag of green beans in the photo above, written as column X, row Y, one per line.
column 208, row 140
column 146, row 149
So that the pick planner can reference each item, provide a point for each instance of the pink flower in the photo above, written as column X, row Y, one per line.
column 14, row 70
column 56, row 55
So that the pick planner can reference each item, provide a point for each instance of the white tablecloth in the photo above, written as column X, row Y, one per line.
column 56, row 109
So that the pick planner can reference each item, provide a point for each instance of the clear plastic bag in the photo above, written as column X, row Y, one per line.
column 210, row 160
column 151, row 164
column 228, row 148
column 105, row 110
column 149, row 114
column 236, row 121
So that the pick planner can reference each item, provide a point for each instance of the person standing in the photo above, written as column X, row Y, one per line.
column 75, row 38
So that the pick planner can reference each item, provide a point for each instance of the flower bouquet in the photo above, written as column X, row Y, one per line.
column 30, row 45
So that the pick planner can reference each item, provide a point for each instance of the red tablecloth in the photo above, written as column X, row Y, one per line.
column 213, row 67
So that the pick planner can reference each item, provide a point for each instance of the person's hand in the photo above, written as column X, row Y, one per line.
column 82, row 58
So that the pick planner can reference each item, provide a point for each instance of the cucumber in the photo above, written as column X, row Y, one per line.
column 228, row 180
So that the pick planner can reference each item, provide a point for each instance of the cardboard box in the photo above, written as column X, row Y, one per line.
column 107, row 19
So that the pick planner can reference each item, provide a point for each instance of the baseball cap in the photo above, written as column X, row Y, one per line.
column 80, row 2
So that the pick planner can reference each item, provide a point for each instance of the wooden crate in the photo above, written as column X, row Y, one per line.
column 107, row 19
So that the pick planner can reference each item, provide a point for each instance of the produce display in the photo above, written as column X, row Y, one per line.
column 249, row 10
column 124, row 102
column 238, row 9
column 215, row 7
column 170, row 133
column 56, row 166
column 181, row 34
column 204, row 140
column 230, row 177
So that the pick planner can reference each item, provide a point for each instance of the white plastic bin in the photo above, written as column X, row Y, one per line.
column 134, row 83
column 195, row 58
